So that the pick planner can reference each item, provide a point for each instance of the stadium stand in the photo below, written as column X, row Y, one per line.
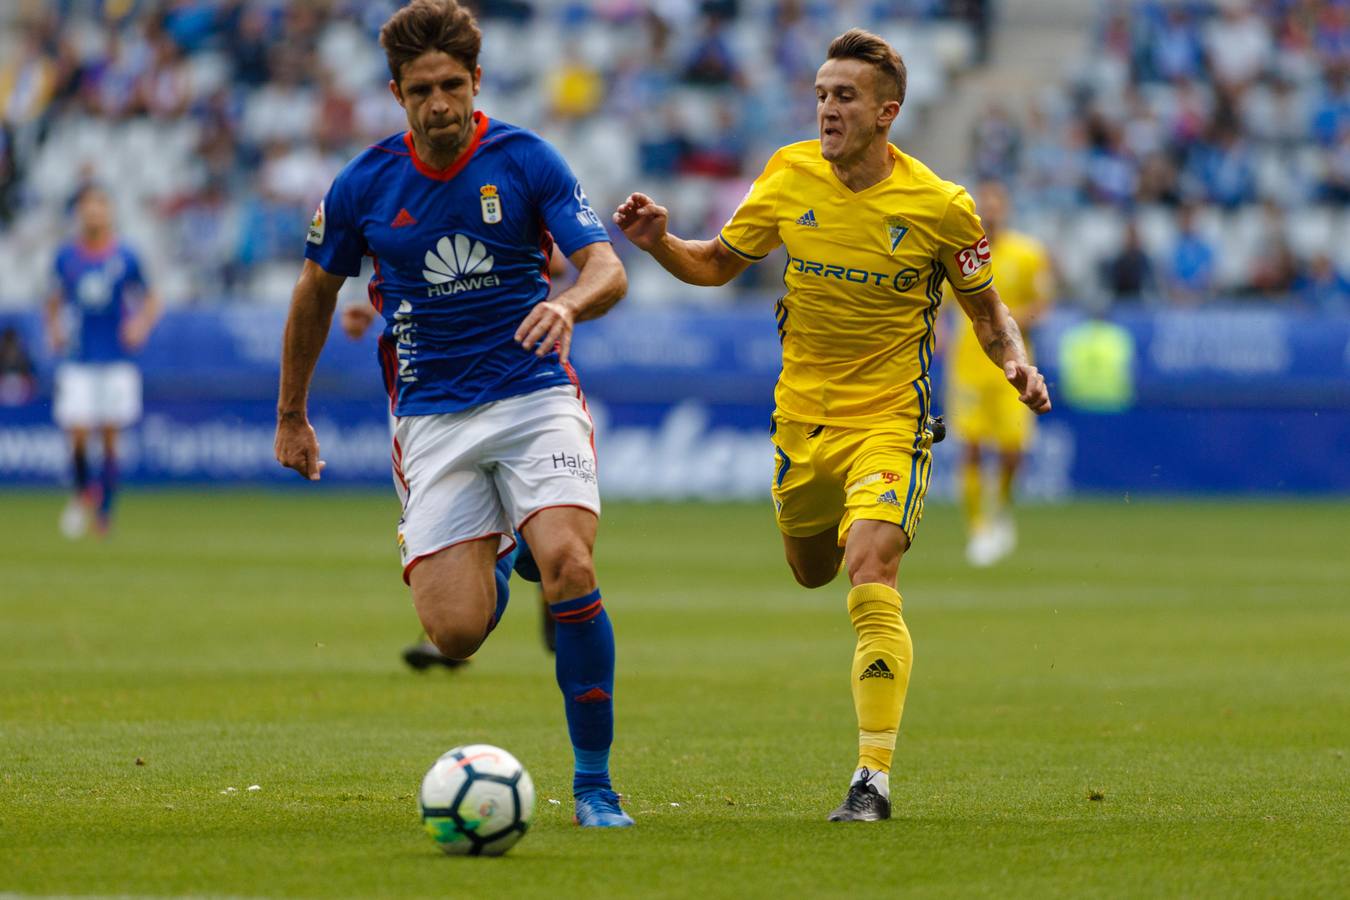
column 1208, row 142
column 218, row 124
column 1200, row 149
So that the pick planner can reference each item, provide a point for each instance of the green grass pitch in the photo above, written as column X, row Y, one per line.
column 1152, row 700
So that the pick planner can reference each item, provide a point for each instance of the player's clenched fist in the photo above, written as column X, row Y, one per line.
column 297, row 447
column 1030, row 384
column 642, row 221
column 356, row 318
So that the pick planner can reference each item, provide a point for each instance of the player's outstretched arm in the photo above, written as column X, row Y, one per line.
column 701, row 263
column 601, row 283
column 312, row 305
column 998, row 334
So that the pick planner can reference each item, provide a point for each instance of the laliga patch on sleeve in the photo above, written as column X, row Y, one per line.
column 974, row 257
column 315, row 235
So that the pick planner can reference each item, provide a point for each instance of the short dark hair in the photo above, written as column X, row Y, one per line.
column 84, row 189
column 866, row 46
column 426, row 25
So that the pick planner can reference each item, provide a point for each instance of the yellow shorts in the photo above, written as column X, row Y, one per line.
column 986, row 411
column 826, row 476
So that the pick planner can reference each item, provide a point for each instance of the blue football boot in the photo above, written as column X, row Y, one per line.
column 600, row 809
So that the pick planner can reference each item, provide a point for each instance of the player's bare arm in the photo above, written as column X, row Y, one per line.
column 701, row 263
column 1002, row 341
column 51, row 314
column 137, row 329
column 601, row 283
column 311, row 315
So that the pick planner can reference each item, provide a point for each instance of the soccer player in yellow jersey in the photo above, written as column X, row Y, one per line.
column 983, row 413
column 871, row 236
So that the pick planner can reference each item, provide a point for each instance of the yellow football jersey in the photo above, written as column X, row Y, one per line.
column 1025, row 278
column 864, row 281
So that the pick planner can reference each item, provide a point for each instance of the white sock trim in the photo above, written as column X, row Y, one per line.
column 879, row 780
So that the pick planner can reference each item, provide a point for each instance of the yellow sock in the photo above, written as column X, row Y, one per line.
column 881, row 665
column 1005, row 487
column 972, row 495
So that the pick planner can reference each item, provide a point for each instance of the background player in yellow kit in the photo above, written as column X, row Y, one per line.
column 871, row 236
column 983, row 413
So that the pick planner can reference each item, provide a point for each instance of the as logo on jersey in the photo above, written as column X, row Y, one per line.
column 458, row 264
column 974, row 257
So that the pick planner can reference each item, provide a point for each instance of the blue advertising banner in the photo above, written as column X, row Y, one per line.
column 1226, row 400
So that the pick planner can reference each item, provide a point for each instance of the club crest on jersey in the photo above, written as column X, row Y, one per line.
column 492, row 204
column 896, row 229
column 315, row 235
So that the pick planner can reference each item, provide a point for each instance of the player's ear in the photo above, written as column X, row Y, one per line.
column 477, row 79
column 890, row 111
column 397, row 92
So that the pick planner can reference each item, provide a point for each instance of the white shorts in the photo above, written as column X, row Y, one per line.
column 93, row 395
column 485, row 471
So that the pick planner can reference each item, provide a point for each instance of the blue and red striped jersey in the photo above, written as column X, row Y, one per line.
column 461, row 257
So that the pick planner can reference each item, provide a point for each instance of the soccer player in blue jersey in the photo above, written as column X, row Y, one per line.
column 99, row 313
column 356, row 319
column 460, row 214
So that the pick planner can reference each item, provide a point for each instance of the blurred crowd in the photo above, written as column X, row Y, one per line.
column 219, row 123
column 1201, row 148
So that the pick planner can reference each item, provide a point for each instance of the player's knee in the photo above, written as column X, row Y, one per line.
column 458, row 639
column 457, row 629
column 568, row 572
column 813, row 574
column 873, row 568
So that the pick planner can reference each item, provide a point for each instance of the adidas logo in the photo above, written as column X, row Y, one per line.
column 808, row 219
column 403, row 219
column 461, row 263
column 889, row 497
column 878, row 669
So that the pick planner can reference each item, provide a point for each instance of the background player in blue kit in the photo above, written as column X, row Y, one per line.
column 460, row 214
column 99, row 313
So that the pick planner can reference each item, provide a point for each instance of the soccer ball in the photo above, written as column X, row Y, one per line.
column 476, row 801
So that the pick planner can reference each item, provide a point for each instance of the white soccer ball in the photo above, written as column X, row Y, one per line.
column 476, row 801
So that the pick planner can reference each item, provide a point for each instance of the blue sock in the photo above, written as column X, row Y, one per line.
column 525, row 565
column 81, row 467
column 109, row 484
column 502, row 574
column 585, row 670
